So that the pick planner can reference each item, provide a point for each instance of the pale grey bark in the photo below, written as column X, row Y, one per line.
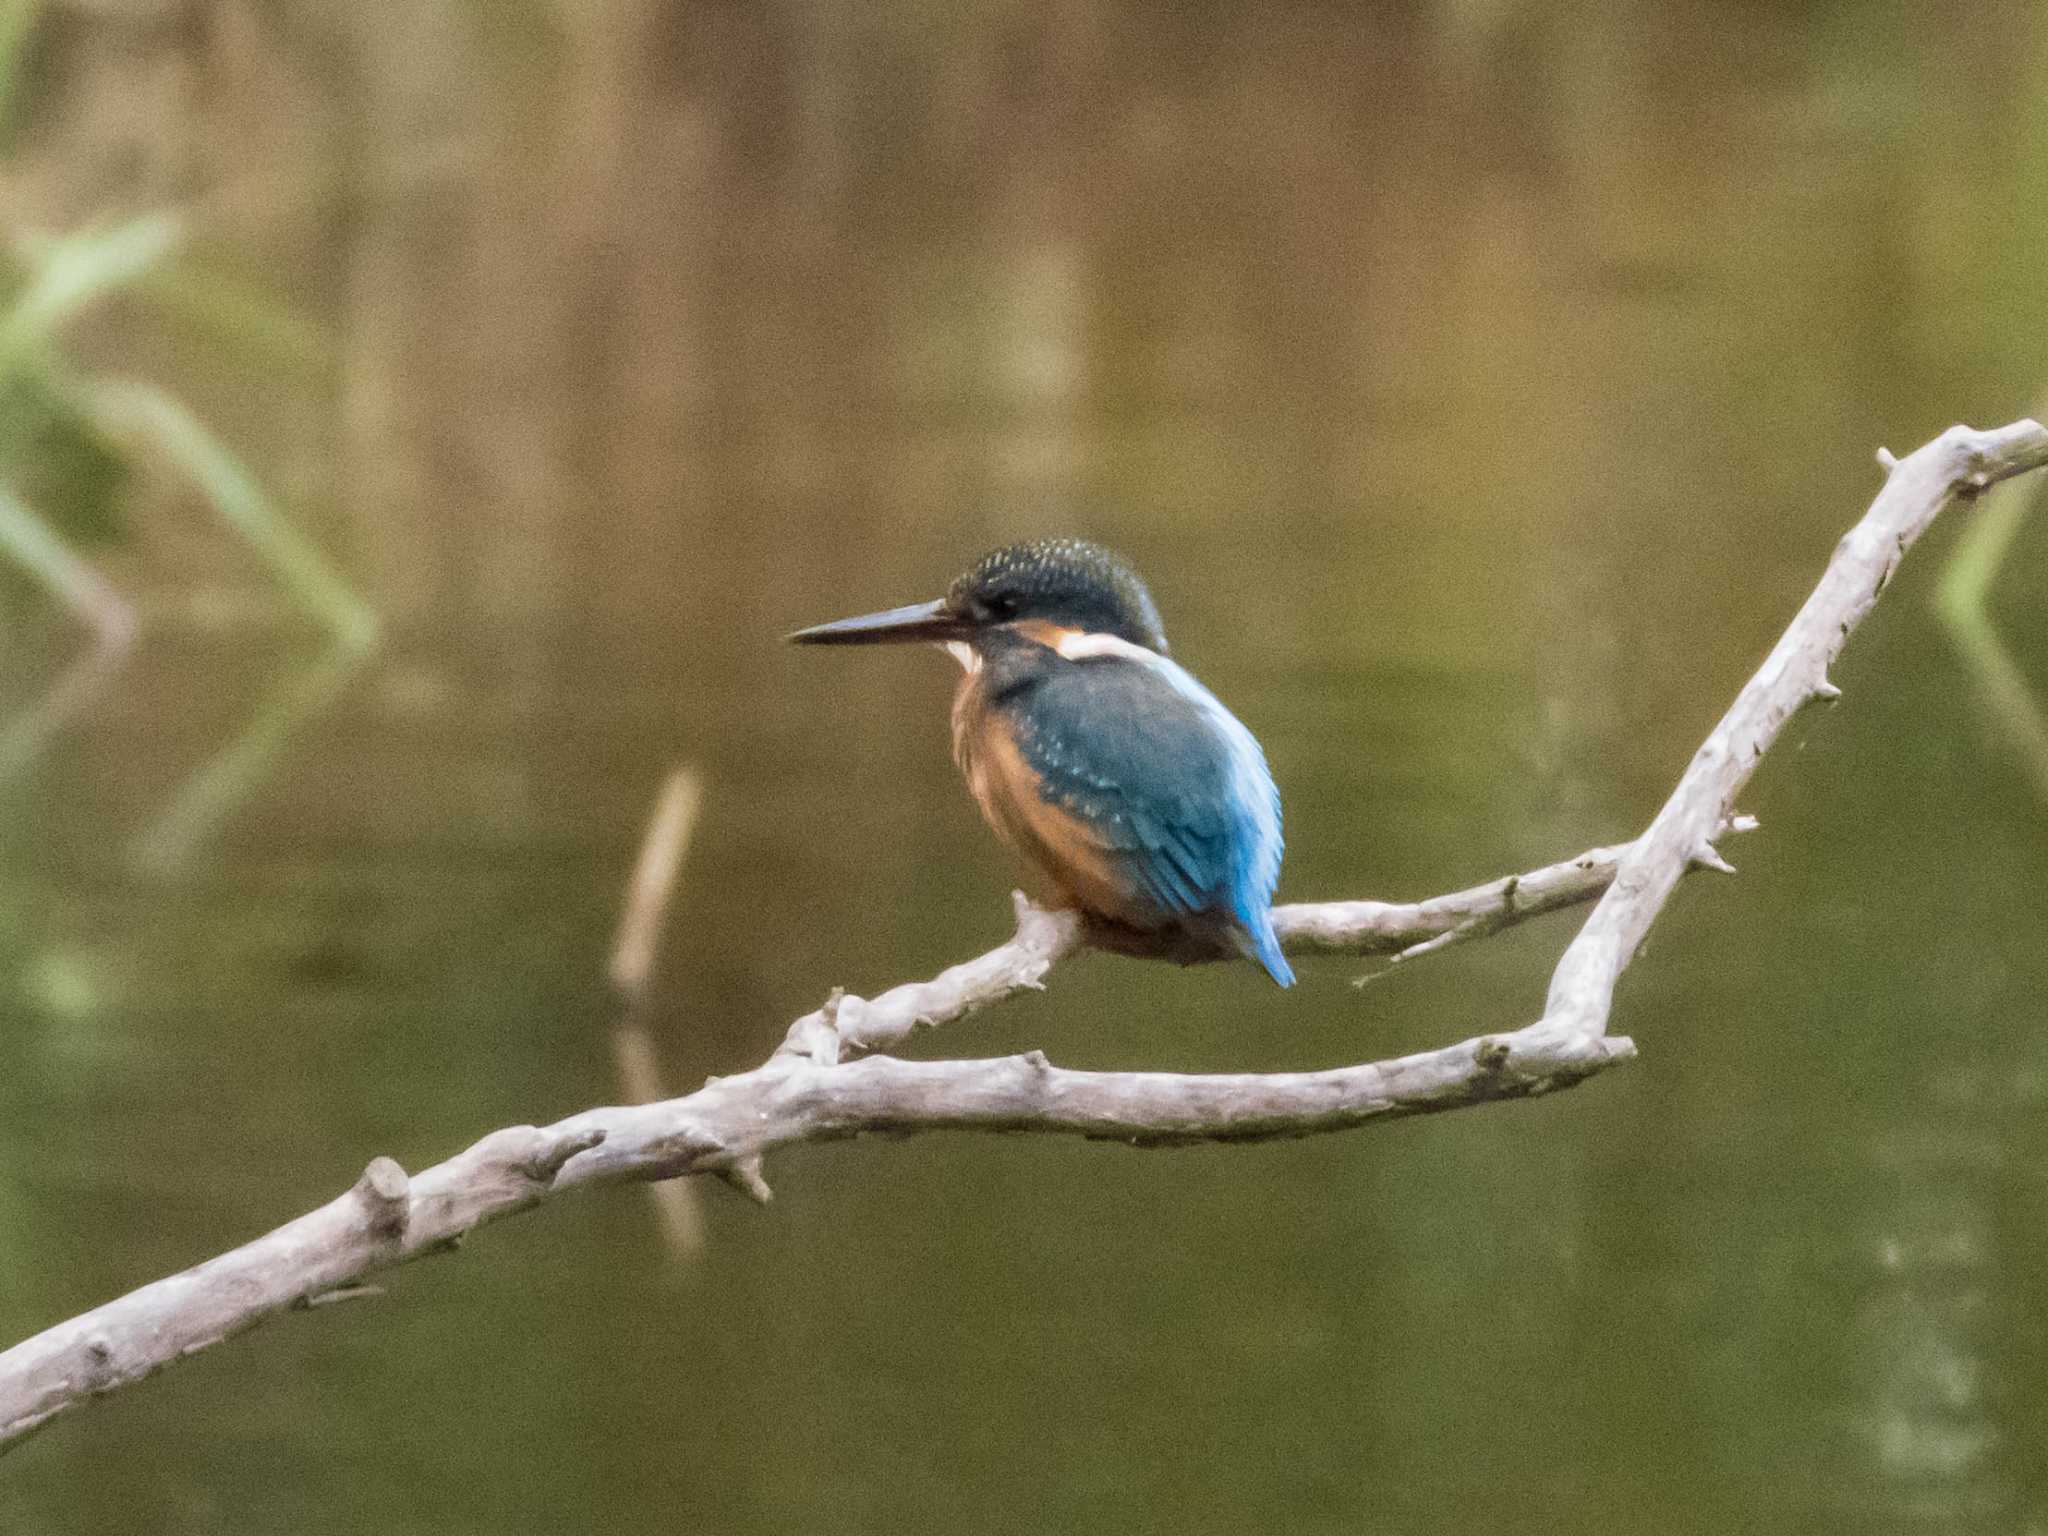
column 816, row 1085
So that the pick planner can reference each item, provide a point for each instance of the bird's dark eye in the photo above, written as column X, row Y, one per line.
column 1001, row 605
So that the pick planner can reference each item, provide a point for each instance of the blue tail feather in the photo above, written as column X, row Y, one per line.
column 1264, row 946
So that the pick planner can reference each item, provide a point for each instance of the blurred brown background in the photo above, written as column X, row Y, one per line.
column 458, row 400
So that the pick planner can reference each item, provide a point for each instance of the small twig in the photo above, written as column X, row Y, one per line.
column 344, row 1293
column 1486, row 910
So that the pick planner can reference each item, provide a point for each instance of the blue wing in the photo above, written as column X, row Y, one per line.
column 1166, row 783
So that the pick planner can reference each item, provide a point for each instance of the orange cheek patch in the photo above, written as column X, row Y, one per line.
column 1046, row 633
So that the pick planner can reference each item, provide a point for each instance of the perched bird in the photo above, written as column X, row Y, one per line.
column 1140, row 798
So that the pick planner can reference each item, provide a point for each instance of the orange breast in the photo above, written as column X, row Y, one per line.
column 1076, row 868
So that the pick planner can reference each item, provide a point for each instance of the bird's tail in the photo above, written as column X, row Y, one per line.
column 1263, row 945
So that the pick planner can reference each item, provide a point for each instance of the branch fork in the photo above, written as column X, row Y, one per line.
column 830, row 1077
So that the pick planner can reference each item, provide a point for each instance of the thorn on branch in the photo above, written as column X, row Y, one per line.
column 1707, row 856
column 1443, row 940
column 1037, row 927
column 691, row 1145
column 1887, row 460
column 745, row 1176
column 546, row 1162
column 1826, row 691
column 386, row 1193
column 339, row 1294
column 826, row 1043
column 1982, row 475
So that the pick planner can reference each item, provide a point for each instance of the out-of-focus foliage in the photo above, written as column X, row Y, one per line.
column 61, row 457
column 54, row 455
column 17, row 24
column 56, row 458
column 63, row 474
column 71, row 439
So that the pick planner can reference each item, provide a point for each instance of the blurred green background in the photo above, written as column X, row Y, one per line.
column 419, row 420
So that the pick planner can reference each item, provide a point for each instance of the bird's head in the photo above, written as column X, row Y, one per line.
column 1045, row 591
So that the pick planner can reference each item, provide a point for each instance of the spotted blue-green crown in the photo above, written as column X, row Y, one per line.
column 1070, row 582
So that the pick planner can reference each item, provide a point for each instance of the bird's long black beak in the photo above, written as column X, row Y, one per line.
column 931, row 622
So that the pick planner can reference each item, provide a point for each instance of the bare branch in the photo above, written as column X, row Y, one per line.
column 814, row 1088
column 1917, row 489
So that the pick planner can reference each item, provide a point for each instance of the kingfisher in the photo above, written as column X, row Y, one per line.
column 1142, row 802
